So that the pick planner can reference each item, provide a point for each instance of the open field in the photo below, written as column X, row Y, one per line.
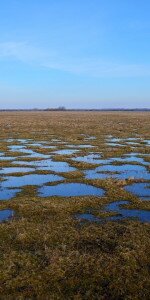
column 51, row 248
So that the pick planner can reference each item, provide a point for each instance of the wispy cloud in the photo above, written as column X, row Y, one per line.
column 22, row 51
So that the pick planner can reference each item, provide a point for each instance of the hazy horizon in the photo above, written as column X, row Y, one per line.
column 76, row 108
column 85, row 55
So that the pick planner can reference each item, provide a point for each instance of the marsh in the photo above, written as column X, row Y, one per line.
column 75, row 216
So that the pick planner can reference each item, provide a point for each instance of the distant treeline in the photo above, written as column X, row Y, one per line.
column 62, row 108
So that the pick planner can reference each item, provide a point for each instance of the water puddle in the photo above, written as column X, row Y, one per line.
column 120, row 142
column 22, row 141
column 5, row 158
column 42, row 146
column 114, row 140
column 116, row 207
column 36, row 145
column 94, row 174
column 131, row 158
column 84, row 146
column 141, row 190
column 18, row 148
column 122, row 168
column 26, row 152
column 147, row 142
column 70, row 190
column 128, row 166
column 77, row 146
column 48, row 147
column 126, row 171
column 121, row 213
column 66, row 152
column 33, row 179
column 132, row 143
column 8, row 193
column 115, row 145
column 134, row 139
column 6, row 214
column 8, row 140
column 92, row 159
column 9, row 170
column 88, row 138
column 49, row 165
column 58, row 141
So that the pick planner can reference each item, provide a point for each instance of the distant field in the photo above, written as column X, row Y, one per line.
column 74, row 205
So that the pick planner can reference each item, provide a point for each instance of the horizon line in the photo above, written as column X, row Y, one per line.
column 76, row 109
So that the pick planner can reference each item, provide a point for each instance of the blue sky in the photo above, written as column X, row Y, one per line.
column 76, row 53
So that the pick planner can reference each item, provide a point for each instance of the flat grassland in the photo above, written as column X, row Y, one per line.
column 46, row 253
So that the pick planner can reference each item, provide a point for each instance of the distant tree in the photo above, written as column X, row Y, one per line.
column 61, row 108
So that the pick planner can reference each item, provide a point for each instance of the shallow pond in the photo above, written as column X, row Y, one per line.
column 132, row 143
column 96, row 159
column 121, row 213
column 77, row 146
column 123, row 167
column 84, row 146
column 120, row 142
column 116, row 207
column 27, row 152
column 5, row 158
column 147, row 142
column 65, row 152
column 33, row 179
column 70, row 189
column 130, row 158
column 141, row 190
column 18, row 148
column 94, row 174
column 6, row 214
column 114, row 144
column 49, row 165
column 8, row 193
column 88, row 138
column 92, row 159
column 9, row 170
column 124, row 171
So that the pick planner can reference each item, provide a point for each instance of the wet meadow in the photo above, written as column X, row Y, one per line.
column 75, row 205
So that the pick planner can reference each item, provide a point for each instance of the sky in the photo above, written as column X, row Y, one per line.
column 74, row 53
